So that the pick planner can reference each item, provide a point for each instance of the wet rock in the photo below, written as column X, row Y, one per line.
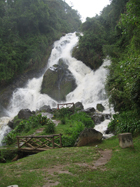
column 100, row 107
column 46, row 108
column 79, row 106
column 58, row 81
column 25, row 114
column 100, row 117
column 11, row 124
column 88, row 135
column 90, row 110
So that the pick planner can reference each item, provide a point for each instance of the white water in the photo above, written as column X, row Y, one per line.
column 90, row 85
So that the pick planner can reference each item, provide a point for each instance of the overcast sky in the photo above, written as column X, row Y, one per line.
column 88, row 8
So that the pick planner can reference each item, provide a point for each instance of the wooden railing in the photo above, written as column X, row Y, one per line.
column 64, row 105
column 39, row 143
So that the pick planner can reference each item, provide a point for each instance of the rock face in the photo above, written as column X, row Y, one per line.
column 25, row 114
column 100, row 107
column 88, row 135
column 58, row 81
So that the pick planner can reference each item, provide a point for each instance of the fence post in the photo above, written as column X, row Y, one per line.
column 53, row 142
column 60, row 140
column 18, row 141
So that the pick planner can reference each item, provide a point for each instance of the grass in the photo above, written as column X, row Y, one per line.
column 36, row 170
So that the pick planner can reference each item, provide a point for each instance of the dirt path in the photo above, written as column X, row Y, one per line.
column 105, row 156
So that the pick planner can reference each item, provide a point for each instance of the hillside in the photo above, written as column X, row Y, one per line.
column 27, row 31
column 76, row 167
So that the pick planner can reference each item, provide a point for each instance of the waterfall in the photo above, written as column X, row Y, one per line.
column 90, row 88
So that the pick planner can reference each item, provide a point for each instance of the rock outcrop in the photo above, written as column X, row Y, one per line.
column 25, row 114
column 88, row 135
column 58, row 81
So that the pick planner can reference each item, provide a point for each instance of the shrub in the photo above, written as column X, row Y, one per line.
column 125, row 122
column 26, row 125
column 50, row 127
column 63, row 113
column 10, row 138
column 72, row 134
column 84, row 118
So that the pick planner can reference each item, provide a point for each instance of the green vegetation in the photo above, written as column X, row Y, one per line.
column 28, row 28
column 127, row 121
column 115, row 33
column 73, row 167
column 72, row 123
column 28, row 127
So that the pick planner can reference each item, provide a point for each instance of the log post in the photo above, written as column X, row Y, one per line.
column 18, row 141
column 125, row 140
column 60, row 140
column 53, row 142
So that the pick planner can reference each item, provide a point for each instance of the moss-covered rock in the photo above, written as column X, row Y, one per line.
column 58, row 81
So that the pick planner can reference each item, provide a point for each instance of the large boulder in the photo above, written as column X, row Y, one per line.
column 88, row 135
column 58, row 81
column 46, row 108
column 25, row 114
column 79, row 106
column 100, row 107
column 100, row 117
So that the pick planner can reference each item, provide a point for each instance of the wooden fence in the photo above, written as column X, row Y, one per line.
column 39, row 143
column 64, row 105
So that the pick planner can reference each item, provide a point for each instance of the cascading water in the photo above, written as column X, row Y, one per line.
column 90, row 85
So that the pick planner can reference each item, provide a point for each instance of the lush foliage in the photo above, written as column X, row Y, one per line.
column 63, row 113
column 27, row 30
column 125, row 122
column 26, row 127
column 124, row 80
column 76, row 122
column 90, row 44
column 99, row 35
column 84, row 118
column 71, row 134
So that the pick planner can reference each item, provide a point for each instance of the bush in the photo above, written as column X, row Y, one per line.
column 10, row 138
column 72, row 134
column 84, row 118
column 50, row 127
column 63, row 113
column 125, row 122
column 26, row 125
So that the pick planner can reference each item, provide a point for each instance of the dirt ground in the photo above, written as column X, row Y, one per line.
column 105, row 156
